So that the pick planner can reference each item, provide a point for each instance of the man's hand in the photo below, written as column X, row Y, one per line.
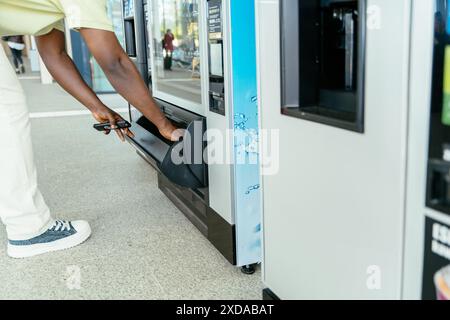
column 103, row 114
column 170, row 132
column 125, row 78
column 52, row 49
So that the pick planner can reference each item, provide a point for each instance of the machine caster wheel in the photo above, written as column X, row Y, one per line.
column 249, row 269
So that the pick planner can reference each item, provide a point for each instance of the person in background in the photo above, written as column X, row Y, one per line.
column 16, row 45
column 168, row 47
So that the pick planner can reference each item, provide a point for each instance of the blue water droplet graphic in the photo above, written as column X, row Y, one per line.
column 252, row 188
column 240, row 121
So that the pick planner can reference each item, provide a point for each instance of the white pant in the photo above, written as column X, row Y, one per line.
column 22, row 207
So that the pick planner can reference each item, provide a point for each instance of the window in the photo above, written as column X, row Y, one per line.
column 85, row 62
column 323, row 50
column 176, row 50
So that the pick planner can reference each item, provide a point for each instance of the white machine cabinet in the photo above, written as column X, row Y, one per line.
column 349, row 92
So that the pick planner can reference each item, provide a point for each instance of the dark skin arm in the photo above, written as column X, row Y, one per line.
column 119, row 69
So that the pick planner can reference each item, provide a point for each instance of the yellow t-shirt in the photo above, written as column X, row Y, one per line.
column 38, row 17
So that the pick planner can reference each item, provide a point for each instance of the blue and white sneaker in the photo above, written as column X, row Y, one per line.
column 61, row 235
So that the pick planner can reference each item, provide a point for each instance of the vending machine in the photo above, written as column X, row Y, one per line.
column 134, row 33
column 202, row 69
column 346, row 86
column 436, row 262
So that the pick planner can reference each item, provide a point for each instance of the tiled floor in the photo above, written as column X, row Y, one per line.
column 142, row 247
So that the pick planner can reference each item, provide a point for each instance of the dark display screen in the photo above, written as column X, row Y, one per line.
column 215, row 19
column 216, row 65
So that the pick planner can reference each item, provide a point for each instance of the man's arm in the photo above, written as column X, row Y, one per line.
column 125, row 78
column 52, row 50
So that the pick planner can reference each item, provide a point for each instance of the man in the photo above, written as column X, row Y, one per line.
column 30, row 228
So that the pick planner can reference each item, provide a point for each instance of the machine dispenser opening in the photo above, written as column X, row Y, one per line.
column 323, row 61
column 438, row 189
column 130, row 37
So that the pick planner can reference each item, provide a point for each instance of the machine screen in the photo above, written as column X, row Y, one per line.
column 216, row 55
column 216, row 60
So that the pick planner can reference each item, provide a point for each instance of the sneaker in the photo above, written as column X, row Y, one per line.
column 61, row 235
column 22, row 68
column 17, row 71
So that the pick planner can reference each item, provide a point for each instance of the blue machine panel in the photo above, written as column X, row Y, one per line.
column 246, row 153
